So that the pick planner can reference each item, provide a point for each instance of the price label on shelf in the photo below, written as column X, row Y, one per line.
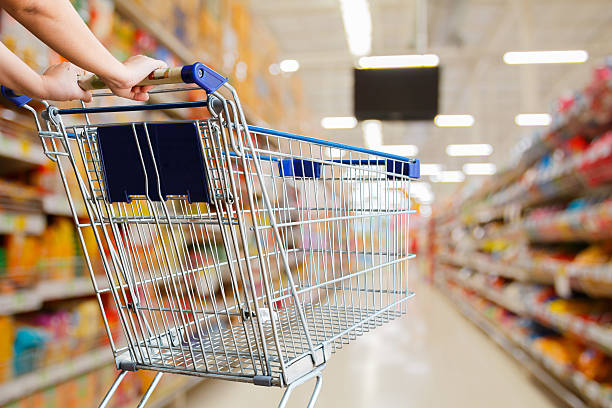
column 562, row 283
column 25, row 147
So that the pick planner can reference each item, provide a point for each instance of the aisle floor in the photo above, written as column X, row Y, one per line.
column 432, row 357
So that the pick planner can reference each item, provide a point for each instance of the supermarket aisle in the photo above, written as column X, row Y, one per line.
column 430, row 358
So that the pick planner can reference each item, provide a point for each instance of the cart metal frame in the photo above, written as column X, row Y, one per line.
column 298, row 246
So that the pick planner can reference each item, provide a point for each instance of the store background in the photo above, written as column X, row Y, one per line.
column 523, row 253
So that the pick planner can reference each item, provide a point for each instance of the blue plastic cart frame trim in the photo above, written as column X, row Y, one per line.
column 272, row 132
column 402, row 166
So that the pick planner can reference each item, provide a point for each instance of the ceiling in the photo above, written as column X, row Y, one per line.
column 470, row 36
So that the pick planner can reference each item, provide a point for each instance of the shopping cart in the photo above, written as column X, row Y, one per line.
column 229, row 251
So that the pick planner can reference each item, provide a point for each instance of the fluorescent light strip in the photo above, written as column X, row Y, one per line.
column 372, row 133
column 454, row 120
column 469, row 149
column 289, row 65
column 339, row 122
column 545, row 57
column 334, row 153
column 399, row 61
column 532, row 119
column 450, row 176
column 400, row 150
column 430, row 169
column 479, row 169
column 421, row 191
column 357, row 25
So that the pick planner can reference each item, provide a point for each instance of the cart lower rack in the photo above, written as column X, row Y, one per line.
column 222, row 250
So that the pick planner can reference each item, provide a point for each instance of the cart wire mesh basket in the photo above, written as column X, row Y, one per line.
column 218, row 249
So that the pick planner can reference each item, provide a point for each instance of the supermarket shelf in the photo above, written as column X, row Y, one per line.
column 559, row 182
column 55, row 374
column 587, row 115
column 484, row 264
column 57, row 204
column 493, row 296
column 20, row 151
column 29, row 223
column 585, row 331
column 508, row 344
column 140, row 16
column 588, row 224
column 143, row 18
column 27, row 300
column 593, row 279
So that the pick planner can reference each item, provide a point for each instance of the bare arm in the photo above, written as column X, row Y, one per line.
column 58, row 83
column 58, row 24
column 18, row 76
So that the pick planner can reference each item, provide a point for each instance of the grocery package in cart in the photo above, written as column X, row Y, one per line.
column 230, row 251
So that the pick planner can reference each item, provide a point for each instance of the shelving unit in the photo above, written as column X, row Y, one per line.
column 54, row 374
column 32, row 299
column 569, row 385
column 23, row 152
column 534, row 243
column 513, row 346
column 132, row 27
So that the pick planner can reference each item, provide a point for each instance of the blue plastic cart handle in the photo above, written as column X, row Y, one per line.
column 202, row 76
column 9, row 94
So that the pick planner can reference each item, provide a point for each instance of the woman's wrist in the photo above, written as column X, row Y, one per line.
column 38, row 87
column 117, row 77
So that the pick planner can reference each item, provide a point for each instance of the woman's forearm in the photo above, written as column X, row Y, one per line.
column 49, row 20
column 17, row 75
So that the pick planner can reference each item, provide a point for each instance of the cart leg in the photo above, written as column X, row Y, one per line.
column 315, row 393
column 112, row 389
column 150, row 390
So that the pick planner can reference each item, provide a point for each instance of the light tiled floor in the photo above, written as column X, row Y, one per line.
column 432, row 357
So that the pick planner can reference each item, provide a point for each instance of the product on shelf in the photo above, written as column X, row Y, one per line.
column 6, row 346
column 58, row 333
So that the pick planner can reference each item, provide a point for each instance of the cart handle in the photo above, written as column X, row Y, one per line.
column 196, row 73
column 9, row 94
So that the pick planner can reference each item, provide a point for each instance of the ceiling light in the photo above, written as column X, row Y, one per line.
column 469, row 149
column 430, row 169
column 334, row 153
column 372, row 133
column 421, row 191
column 425, row 210
column 399, row 61
column 545, row 57
column 241, row 71
column 449, row 176
column 357, row 25
column 400, row 150
column 289, row 65
column 339, row 122
column 479, row 169
column 532, row 119
column 274, row 69
column 454, row 120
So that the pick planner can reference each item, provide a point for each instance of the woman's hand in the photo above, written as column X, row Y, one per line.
column 60, row 83
column 136, row 69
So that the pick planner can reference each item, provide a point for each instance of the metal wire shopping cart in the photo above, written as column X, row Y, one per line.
column 230, row 251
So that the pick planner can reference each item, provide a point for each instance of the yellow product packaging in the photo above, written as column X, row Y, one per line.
column 22, row 254
column 87, row 317
column 6, row 346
